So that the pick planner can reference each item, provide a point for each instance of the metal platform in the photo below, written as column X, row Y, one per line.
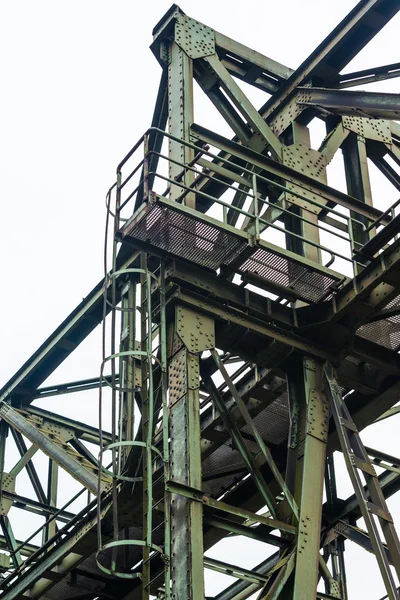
column 171, row 229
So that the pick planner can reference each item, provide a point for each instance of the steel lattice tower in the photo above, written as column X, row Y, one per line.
column 250, row 318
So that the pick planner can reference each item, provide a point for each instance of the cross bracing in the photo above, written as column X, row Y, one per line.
column 235, row 363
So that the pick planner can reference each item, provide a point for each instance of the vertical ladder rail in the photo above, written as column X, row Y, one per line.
column 147, row 409
column 357, row 462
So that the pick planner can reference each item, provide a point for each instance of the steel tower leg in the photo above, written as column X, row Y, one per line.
column 189, row 334
column 305, row 474
column 180, row 118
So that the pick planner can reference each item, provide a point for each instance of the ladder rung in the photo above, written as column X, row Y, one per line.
column 362, row 465
column 379, row 512
column 159, row 478
column 159, row 526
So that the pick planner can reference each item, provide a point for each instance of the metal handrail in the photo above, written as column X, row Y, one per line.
column 260, row 219
column 242, row 169
column 254, row 179
column 385, row 214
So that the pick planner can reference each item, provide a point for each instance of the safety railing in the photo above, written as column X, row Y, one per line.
column 264, row 202
column 390, row 212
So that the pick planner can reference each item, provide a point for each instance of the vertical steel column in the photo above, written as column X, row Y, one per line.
column 3, row 442
column 301, row 135
column 52, row 483
column 305, row 472
column 335, row 548
column 357, row 180
column 300, row 156
column 180, row 118
column 188, row 336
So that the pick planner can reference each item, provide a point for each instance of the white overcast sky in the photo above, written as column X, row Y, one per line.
column 78, row 88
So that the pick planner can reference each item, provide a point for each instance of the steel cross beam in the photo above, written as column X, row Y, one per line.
column 361, row 104
column 368, row 75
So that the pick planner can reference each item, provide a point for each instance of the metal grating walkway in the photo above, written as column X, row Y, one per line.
column 186, row 234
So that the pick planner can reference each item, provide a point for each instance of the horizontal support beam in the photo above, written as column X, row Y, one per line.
column 354, row 103
column 268, row 74
column 369, row 352
column 360, row 537
column 234, row 571
column 270, row 286
column 238, row 529
column 233, row 591
column 255, row 326
column 213, row 288
column 368, row 75
column 380, row 456
column 71, row 387
column 199, row 496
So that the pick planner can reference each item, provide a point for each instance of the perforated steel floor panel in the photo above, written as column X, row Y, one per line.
column 180, row 235
column 208, row 244
column 311, row 285
column 385, row 332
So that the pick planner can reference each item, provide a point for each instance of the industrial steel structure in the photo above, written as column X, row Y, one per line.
column 251, row 327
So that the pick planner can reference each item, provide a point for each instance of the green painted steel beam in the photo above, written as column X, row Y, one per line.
column 37, row 507
column 361, row 104
column 81, row 430
column 371, row 75
column 71, row 387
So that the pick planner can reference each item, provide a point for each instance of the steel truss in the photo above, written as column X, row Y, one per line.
column 200, row 449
